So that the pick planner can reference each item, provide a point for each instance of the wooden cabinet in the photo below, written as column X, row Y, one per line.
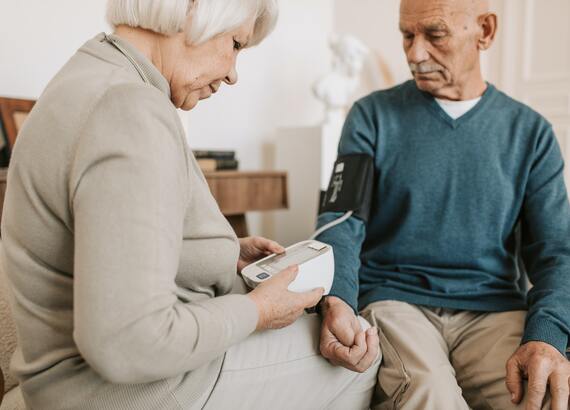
column 236, row 193
column 239, row 192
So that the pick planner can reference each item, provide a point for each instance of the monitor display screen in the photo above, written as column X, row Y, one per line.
column 293, row 256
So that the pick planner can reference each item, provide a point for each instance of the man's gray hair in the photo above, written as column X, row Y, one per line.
column 201, row 20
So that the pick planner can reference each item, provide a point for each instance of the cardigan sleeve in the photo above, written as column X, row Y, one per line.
column 129, row 193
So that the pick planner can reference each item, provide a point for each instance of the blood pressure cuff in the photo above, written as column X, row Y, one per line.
column 350, row 187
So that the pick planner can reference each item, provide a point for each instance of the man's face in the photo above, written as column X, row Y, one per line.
column 440, row 41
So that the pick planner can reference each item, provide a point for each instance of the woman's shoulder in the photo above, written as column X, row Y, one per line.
column 93, row 72
column 85, row 84
column 98, row 104
column 99, row 88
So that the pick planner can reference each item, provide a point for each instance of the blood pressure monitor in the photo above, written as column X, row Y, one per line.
column 316, row 267
column 350, row 192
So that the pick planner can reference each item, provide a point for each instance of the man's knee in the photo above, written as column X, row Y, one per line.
column 433, row 387
column 423, row 390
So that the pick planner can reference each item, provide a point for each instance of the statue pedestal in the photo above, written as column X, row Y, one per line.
column 307, row 154
column 330, row 133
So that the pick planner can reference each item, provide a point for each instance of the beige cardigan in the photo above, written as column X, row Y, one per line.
column 119, row 259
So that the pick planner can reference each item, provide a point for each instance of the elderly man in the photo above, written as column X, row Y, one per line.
column 459, row 165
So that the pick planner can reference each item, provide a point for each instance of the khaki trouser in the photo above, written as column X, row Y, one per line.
column 444, row 359
column 283, row 369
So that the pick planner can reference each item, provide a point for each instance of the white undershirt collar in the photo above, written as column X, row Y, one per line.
column 456, row 109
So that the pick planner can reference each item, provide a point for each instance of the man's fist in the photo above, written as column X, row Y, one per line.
column 343, row 341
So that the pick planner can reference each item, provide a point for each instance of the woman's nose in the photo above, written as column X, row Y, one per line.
column 232, row 77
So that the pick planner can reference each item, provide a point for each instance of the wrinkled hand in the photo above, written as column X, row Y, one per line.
column 279, row 307
column 543, row 366
column 255, row 248
column 343, row 342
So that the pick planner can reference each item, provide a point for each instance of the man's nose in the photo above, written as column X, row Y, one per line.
column 418, row 52
column 232, row 76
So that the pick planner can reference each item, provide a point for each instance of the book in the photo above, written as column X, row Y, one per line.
column 214, row 154
column 211, row 164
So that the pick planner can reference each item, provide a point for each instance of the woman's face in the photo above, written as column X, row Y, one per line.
column 195, row 72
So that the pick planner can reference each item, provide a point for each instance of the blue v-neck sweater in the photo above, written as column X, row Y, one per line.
column 448, row 196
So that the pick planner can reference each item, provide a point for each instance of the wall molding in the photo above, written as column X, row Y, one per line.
column 529, row 47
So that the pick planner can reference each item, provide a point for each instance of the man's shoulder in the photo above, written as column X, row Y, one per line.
column 393, row 95
column 518, row 110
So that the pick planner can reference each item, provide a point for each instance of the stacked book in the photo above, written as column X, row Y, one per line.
column 210, row 161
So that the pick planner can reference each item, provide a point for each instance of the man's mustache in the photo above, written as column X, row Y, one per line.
column 424, row 68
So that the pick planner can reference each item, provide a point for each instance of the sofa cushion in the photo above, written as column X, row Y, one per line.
column 8, row 333
column 13, row 400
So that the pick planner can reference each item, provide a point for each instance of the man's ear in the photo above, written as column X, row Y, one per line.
column 489, row 24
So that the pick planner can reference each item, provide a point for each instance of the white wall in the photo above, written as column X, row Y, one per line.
column 376, row 23
column 37, row 37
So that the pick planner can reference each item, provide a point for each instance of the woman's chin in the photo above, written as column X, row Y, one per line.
column 187, row 104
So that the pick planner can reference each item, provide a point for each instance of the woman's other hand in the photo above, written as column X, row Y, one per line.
column 255, row 248
column 278, row 307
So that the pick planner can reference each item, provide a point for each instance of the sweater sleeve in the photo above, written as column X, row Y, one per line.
column 546, row 246
column 129, row 193
column 346, row 239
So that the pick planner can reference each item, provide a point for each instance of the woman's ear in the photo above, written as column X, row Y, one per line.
column 489, row 24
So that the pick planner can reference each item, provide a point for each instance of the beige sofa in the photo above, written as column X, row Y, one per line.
column 10, row 395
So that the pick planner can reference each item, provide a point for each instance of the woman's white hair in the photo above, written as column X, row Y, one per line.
column 201, row 20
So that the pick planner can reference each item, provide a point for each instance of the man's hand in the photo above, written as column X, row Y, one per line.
column 255, row 248
column 542, row 365
column 343, row 342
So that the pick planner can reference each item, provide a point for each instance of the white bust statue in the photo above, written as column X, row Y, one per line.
column 337, row 88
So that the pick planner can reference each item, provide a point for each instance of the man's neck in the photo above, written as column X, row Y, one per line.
column 462, row 94
column 469, row 88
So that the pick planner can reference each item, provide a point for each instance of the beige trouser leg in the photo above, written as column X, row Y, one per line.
column 481, row 345
column 282, row 369
column 416, row 372
column 441, row 359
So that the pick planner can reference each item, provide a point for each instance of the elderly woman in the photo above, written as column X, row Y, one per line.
column 122, row 266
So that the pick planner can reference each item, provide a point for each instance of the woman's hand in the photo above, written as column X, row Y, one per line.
column 278, row 307
column 255, row 248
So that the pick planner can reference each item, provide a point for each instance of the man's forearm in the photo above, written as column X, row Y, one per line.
column 545, row 247
column 546, row 321
column 346, row 240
